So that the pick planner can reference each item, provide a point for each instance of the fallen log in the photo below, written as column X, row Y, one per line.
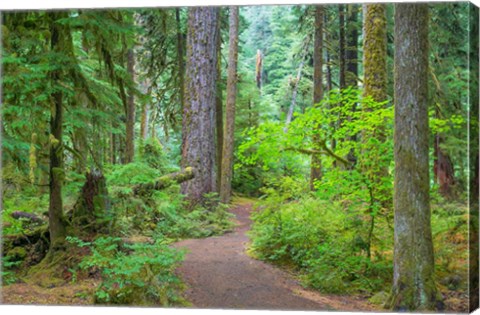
column 27, row 216
column 165, row 181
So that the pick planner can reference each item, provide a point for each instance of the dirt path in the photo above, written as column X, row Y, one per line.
column 219, row 274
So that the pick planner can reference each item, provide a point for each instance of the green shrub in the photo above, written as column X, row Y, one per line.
column 322, row 240
column 133, row 274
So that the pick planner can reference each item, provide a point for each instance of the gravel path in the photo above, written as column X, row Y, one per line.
column 219, row 274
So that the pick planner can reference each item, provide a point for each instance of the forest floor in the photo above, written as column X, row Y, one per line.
column 219, row 274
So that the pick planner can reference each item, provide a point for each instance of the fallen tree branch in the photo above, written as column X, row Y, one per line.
column 165, row 181
column 325, row 150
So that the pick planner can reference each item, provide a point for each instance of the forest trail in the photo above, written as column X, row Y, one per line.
column 219, row 274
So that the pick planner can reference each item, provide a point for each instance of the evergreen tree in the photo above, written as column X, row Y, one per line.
column 414, row 287
column 198, row 138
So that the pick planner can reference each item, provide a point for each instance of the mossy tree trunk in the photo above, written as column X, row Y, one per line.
column 198, row 125
column 373, row 163
column 164, row 181
column 57, row 222
column 414, row 288
column 351, row 60
column 316, row 162
column 375, row 51
column 228, row 140
column 130, row 111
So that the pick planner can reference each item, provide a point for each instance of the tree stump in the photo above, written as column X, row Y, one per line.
column 92, row 210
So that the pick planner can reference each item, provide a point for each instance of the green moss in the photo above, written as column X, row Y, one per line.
column 17, row 254
column 48, row 273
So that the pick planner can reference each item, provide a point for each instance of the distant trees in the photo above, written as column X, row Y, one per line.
column 198, row 125
column 413, row 279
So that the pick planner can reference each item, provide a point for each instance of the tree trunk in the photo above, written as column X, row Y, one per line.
column 228, row 141
column 341, row 46
column 92, row 210
column 198, row 139
column 144, row 122
column 57, row 172
column 259, row 69
column 442, row 168
column 316, row 162
column 295, row 91
column 375, row 51
column 375, row 85
column 414, row 288
column 351, row 59
column 474, row 158
column 113, row 148
column 180, row 58
column 351, row 50
column 130, row 113
column 219, row 108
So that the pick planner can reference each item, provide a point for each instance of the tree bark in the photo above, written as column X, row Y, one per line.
column 351, row 50
column 259, row 69
column 414, row 288
column 351, row 60
column 219, row 108
column 295, row 91
column 130, row 113
column 198, row 125
column 375, row 51
column 316, row 162
column 341, row 45
column 442, row 168
column 57, row 224
column 228, row 141
column 371, row 160
column 180, row 58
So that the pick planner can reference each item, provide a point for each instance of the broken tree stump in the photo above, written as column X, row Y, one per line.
column 93, row 205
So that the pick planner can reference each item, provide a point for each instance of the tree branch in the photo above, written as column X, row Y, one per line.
column 326, row 151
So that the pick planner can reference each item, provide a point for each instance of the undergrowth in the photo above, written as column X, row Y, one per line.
column 140, row 274
column 323, row 236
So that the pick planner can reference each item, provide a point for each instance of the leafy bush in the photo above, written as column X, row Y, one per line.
column 322, row 240
column 139, row 274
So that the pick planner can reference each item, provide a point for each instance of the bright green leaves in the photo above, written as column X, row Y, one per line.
column 444, row 125
column 268, row 143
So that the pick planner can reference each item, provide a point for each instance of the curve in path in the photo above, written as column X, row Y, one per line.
column 219, row 274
